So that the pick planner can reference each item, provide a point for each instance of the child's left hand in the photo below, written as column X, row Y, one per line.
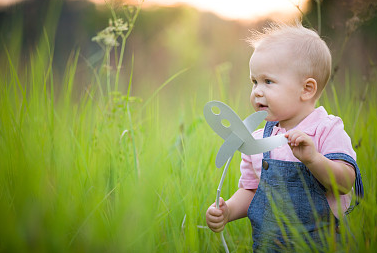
column 302, row 146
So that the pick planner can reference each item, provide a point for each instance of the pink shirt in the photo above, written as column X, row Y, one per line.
column 328, row 135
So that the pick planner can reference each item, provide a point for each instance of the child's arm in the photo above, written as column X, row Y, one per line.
column 233, row 209
column 303, row 149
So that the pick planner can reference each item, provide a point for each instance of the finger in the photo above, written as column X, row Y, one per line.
column 214, row 211
column 221, row 202
column 215, row 227
column 213, row 224
column 289, row 136
column 293, row 136
column 218, row 230
column 293, row 140
column 216, row 219
column 300, row 140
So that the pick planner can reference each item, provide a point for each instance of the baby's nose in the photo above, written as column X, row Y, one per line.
column 258, row 92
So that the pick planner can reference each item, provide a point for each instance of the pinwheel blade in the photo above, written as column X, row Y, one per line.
column 230, row 145
column 253, row 121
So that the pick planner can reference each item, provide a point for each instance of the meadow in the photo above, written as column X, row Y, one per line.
column 98, row 169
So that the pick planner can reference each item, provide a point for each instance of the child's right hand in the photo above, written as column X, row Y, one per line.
column 217, row 218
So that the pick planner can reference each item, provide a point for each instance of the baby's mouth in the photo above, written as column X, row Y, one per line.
column 262, row 107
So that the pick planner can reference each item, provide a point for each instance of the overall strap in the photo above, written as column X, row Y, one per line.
column 267, row 133
column 359, row 188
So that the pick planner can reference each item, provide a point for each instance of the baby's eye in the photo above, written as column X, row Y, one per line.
column 254, row 81
column 268, row 81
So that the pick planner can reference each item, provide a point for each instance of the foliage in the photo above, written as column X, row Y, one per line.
column 111, row 172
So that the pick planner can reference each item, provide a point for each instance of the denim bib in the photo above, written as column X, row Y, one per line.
column 290, row 204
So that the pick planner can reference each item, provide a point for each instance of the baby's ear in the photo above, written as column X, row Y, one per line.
column 309, row 89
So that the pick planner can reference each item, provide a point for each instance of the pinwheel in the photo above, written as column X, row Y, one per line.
column 237, row 135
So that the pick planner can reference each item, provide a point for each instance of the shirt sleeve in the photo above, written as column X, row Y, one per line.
column 334, row 138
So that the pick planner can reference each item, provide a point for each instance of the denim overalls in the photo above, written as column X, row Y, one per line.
column 290, row 204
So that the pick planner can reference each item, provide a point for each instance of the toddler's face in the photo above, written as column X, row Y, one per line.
column 276, row 84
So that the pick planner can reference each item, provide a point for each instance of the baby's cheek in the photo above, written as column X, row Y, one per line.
column 252, row 98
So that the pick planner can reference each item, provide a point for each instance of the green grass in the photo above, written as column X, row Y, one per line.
column 105, row 172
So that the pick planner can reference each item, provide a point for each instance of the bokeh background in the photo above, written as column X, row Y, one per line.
column 92, row 164
column 172, row 36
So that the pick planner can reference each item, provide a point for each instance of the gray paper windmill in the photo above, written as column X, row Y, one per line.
column 237, row 136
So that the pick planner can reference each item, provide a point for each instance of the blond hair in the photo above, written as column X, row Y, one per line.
column 312, row 55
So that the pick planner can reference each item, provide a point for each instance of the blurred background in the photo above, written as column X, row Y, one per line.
column 104, row 172
column 207, row 37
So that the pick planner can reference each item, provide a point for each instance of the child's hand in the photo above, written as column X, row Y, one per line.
column 217, row 218
column 302, row 146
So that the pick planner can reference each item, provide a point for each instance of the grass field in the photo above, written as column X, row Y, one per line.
column 106, row 172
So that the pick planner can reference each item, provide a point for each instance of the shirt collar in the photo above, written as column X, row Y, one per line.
column 307, row 125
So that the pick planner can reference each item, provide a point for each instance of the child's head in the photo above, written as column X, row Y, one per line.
column 289, row 68
column 310, row 55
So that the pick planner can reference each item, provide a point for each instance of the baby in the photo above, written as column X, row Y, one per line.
column 289, row 193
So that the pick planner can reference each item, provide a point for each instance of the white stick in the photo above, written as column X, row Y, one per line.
column 224, row 242
column 221, row 182
column 218, row 200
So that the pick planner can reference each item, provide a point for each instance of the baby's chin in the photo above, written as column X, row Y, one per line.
column 270, row 118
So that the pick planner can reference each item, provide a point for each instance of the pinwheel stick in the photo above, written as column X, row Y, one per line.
column 218, row 199
column 221, row 182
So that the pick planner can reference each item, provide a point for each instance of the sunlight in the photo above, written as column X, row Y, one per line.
column 249, row 10
column 243, row 10
column 5, row 3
